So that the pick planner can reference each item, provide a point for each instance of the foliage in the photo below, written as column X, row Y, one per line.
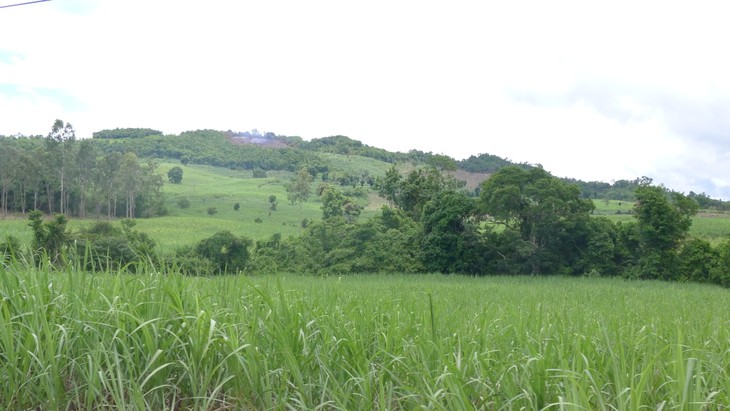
column 104, row 246
column 418, row 187
column 227, row 252
column 697, row 261
column 385, row 243
column 118, row 133
column 300, row 188
column 214, row 148
column 49, row 237
column 547, row 216
column 661, row 224
column 487, row 163
column 450, row 242
column 212, row 211
column 57, row 173
column 175, row 175
column 336, row 204
column 602, row 252
column 183, row 202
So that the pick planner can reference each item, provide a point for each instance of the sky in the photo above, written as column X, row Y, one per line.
column 593, row 90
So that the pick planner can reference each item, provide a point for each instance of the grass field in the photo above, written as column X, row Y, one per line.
column 76, row 341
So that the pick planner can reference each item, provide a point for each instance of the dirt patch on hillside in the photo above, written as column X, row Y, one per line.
column 259, row 141
column 473, row 180
column 375, row 202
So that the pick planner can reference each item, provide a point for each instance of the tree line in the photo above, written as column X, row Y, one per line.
column 61, row 174
column 524, row 222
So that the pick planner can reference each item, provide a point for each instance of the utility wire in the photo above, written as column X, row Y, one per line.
column 23, row 4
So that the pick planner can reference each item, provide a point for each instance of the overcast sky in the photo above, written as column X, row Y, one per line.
column 591, row 90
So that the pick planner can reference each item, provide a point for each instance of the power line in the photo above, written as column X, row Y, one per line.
column 23, row 4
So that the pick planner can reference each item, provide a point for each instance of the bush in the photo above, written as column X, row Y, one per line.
column 103, row 246
column 227, row 252
column 259, row 173
column 175, row 175
column 236, row 206
column 212, row 210
column 183, row 202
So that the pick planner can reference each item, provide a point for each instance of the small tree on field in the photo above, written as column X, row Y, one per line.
column 300, row 188
column 175, row 175
column 48, row 237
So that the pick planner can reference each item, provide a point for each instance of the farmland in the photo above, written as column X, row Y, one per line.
column 152, row 341
column 71, row 339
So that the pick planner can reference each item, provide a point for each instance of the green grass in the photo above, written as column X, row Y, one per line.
column 607, row 207
column 151, row 341
column 356, row 165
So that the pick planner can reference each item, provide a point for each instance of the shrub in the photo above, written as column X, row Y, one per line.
column 183, row 202
column 227, row 252
column 102, row 246
column 175, row 175
column 259, row 173
column 236, row 206
column 212, row 210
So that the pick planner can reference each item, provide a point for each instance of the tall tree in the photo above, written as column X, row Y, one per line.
column 85, row 169
column 389, row 186
column 663, row 220
column 546, row 215
column 130, row 177
column 8, row 167
column 107, row 183
column 300, row 187
column 61, row 150
column 450, row 241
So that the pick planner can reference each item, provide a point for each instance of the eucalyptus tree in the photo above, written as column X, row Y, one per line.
column 61, row 145
column 85, row 169
column 106, row 183
column 130, row 178
column 8, row 167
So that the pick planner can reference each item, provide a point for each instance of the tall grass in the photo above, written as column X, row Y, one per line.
column 71, row 340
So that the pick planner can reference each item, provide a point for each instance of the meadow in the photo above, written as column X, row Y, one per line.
column 72, row 340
